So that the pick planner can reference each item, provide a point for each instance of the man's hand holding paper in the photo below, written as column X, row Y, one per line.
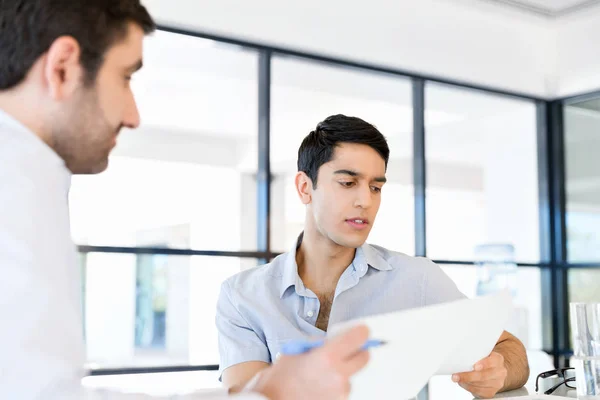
column 487, row 378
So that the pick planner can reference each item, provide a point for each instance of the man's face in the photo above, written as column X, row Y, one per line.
column 348, row 194
column 85, row 129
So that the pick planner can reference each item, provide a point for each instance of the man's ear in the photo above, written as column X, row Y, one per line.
column 63, row 72
column 304, row 187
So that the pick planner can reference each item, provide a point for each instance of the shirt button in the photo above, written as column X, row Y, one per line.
column 310, row 314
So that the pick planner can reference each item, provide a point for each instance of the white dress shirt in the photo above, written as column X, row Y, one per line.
column 41, row 347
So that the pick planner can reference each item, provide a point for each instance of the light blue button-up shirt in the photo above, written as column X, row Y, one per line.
column 261, row 309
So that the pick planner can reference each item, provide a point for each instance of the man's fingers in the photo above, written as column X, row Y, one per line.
column 355, row 363
column 480, row 377
column 487, row 378
column 492, row 361
column 347, row 344
column 495, row 384
column 483, row 393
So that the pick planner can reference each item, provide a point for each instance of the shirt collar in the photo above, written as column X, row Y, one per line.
column 366, row 256
column 290, row 275
column 28, row 138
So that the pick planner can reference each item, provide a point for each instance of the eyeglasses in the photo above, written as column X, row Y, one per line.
column 560, row 373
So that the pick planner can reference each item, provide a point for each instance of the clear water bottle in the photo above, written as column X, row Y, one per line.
column 496, row 269
column 585, row 336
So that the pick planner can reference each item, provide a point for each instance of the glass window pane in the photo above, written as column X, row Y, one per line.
column 190, row 166
column 527, row 322
column 153, row 310
column 304, row 93
column 584, row 285
column 582, row 167
column 482, row 175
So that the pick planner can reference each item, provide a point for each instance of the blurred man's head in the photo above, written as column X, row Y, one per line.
column 65, row 68
column 341, row 170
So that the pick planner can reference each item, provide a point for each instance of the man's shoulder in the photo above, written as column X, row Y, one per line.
column 397, row 260
column 260, row 277
column 433, row 284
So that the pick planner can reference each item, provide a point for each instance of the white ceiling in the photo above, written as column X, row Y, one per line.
column 517, row 45
column 199, row 87
column 205, row 91
column 553, row 8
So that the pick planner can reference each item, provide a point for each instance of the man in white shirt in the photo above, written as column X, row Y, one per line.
column 64, row 96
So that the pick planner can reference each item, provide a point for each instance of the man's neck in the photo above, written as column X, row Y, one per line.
column 321, row 263
column 20, row 106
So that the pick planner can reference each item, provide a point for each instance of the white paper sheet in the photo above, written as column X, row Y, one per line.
column 439, row 339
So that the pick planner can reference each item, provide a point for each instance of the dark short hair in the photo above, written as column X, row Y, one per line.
column 318, row 147
column 29, row 27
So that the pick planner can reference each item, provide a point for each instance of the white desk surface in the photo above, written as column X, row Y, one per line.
column 442, row 388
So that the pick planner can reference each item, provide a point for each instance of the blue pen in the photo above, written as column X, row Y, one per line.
column 296, row 347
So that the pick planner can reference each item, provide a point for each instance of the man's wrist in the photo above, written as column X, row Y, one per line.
column 252, row 385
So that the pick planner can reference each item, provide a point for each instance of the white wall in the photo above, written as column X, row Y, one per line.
column 578, row 53
column 462, row 40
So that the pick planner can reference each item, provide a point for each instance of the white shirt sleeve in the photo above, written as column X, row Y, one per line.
column 41, row 348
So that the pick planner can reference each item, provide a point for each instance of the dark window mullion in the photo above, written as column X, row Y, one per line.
column 419, row 166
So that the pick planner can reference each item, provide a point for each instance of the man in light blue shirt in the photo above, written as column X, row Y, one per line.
column 332, row 275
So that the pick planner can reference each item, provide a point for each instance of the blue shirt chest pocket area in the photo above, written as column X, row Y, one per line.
column 275, row 345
